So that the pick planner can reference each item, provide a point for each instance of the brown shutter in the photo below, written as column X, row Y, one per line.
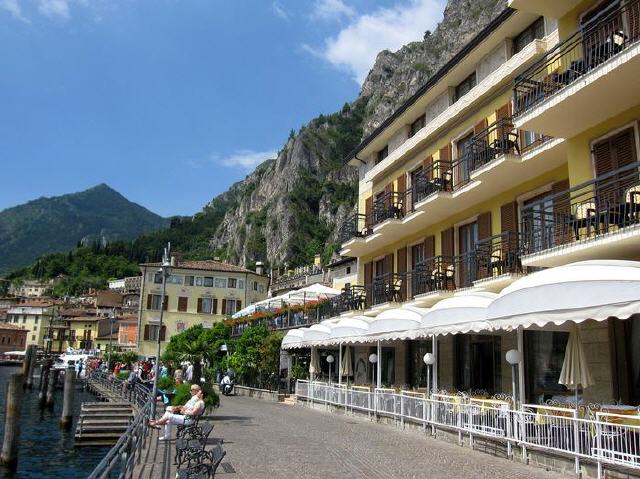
column 163, row 332
column 182, row 303
column 368, row 281
column 484, row 225
column 603, row 157
column 402, row 183
column 445, row 153
column 199, row 305
column 146, row 332
column 215, row 306
column 149, row 300
column 446, row 238
column 480, row 127
column 165, row 305
column 561, row 212
column 427, row 165
column 368, row 211
column 509, row 217
column 401, row 269
column 429, row 247
column 388, row 264
column 224, row 307
column 503, row 112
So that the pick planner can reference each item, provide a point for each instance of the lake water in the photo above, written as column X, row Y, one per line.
column 45, row 450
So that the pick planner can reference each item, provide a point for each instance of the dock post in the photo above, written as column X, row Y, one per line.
column 51, row 386
column 67, row 403
column 29, row 356
column 32, row 365
column 9, row 455
column 44, row 384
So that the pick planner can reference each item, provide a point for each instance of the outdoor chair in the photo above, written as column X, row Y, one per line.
column 192, row 430
column 585, row 217
column 189, row 446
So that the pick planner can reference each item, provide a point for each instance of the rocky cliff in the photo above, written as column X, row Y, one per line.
column 291, row 207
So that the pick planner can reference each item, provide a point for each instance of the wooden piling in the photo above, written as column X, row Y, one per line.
column 67, row 403
column 44, row 381
column 53, row 375
column 9, row 455
column 29, row 356
column 32, row 365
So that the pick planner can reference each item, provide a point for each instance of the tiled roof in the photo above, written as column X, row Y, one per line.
column 207, row 265
column 84, row 318
column 75, row 312
column 11, row 326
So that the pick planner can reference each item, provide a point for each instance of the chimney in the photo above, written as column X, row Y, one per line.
column 259, row 268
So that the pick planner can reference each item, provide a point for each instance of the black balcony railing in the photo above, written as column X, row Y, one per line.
column 498, row 255
column 436, row 177
column 604, row 205
column 603, row 37
column 356, row 226
column 499, row 138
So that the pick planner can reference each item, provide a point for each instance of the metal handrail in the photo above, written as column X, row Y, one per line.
column 122, row 458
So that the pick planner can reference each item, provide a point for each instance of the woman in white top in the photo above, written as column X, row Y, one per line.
column 181, row 414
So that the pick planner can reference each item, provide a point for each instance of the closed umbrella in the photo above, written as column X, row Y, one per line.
column 314, row 365
column 346, row 370
column 575, row 370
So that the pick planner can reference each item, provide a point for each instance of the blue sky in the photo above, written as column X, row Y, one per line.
column 171, row 101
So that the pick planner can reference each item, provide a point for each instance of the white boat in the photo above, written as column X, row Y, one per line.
column 66, row 360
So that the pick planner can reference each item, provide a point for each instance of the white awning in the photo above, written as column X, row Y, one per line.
column 292, row 339
column 394, row 324
column 597, row 289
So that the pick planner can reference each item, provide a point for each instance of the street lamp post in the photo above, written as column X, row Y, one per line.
column 429, row 359
column 165, row 271
column 373, row 359
column 330, row 360
column 112, row 318
column 514, row 357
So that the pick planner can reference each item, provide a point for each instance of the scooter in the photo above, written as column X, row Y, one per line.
column 227, row 389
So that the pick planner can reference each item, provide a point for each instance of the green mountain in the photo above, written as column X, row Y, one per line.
column 46, row 225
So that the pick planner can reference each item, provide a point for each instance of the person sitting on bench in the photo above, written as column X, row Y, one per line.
column 181, row 415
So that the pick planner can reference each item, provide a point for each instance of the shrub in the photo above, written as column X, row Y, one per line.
column 166, row 383
column 123, row 375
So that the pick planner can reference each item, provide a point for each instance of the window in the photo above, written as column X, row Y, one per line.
column 175, row 279
column 255, row 285
column 531, row 33
column 382, row 154
column 199, row 280
column 35, row 328
column 465, row 150
column 154, row 331
column 24, row 319
column 479, row 364
column 33, row 337
column 208, row 282
column 232, row 283
column 261, row 288
column 417, row 125
column 35, row 320
column 157, row 278
column 221, row 282
column 544, row 357
column 188, row 280
column 207, row 305
column 231, row 306
column 241, row 284
column 348, row 270
column 183, row 302
column 154, row 302
column 465, row 87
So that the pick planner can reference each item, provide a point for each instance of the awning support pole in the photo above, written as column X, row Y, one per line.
column 340, row 364
column 435, row 364
column 379, row 370
column 520, row 337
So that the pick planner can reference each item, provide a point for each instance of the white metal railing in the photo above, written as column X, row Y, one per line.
column 603, row 438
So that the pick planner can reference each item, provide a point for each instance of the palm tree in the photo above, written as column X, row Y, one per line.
column 195, row 352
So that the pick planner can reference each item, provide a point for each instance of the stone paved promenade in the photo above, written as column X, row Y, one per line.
column 267, row 440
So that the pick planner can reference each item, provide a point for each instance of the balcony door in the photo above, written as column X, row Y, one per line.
column 478, row 363
column 464, row 150
column 603, row 33
column 467, row 239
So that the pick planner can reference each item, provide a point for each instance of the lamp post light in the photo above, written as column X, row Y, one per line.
column 165, row 271
column 513, row 357
column 330, row 360
column 429, row 359
column 373, row 359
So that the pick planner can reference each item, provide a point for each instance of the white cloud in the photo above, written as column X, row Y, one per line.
column 331, row 10
column 13, row 7
column 355, row 47
column 280, row 11
column 55, row 9
column 245, row 159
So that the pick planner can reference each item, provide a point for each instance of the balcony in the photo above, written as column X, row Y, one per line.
column 546, row 8
column 589, row 77
column 498, row 261
column 597, row 219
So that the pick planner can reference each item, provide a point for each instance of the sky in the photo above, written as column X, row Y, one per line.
column 171, row 101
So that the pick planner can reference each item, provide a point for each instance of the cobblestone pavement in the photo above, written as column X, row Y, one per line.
column 269, row 440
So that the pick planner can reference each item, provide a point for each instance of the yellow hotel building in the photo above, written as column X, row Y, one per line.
column 197, row 292
column 498, row 210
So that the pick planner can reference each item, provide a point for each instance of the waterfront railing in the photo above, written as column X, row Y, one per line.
column 580, row 433
column 123, row 457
